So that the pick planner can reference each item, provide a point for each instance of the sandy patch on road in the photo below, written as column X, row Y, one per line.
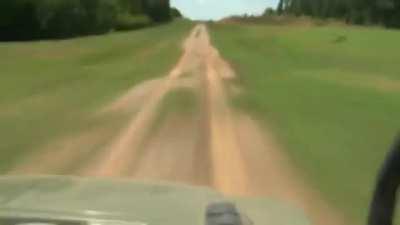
column 57, row 157
column 173, row 153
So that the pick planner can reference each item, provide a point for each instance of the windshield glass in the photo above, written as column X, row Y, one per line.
column 228, row 112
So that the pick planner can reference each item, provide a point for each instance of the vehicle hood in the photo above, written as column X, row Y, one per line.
column 141, row 203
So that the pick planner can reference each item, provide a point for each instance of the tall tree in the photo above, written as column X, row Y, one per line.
column 158, row 10
column 280, row 7
column 385, row 12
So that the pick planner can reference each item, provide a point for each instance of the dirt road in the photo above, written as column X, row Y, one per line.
column 218, row 146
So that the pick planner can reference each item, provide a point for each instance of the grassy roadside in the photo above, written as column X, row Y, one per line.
column 51, row 88
column 331, row 94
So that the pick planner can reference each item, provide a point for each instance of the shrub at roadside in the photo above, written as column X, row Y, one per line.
column 36, row 19
column 129, row 22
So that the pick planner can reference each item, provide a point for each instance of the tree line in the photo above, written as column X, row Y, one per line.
column 385, row 12
column 38, row 19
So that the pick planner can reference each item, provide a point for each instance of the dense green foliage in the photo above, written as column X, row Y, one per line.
column 330, row 94
column 175, row 13
column 158, row 10
column 33, row 19
column 385, row 12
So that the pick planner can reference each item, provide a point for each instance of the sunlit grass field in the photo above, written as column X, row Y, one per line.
column 52, row 88
column 330, row 94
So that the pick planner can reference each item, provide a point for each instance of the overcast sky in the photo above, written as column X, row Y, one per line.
column 217, row 9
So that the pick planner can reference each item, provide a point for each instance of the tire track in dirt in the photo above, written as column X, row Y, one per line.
column 229, row 170
column 170, row 152
column 115, row 160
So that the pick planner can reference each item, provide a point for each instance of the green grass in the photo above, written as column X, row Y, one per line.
column 333, row 104
column 51, row 88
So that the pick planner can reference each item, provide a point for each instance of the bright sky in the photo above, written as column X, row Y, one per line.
column 217, row 9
